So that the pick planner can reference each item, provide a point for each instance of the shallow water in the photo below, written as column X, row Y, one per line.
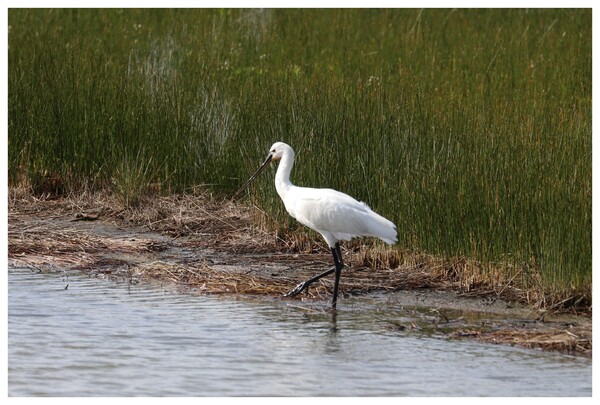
column 101, row 338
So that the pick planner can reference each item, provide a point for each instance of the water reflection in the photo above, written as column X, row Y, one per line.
column 100, row 338
column 334, row 328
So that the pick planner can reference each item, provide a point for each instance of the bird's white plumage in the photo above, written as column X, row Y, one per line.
column 335, row 215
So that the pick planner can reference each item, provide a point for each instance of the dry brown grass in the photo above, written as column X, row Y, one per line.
column 573, row 340
column 54, row 230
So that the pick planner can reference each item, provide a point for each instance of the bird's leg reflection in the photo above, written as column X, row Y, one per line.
column 333, row 327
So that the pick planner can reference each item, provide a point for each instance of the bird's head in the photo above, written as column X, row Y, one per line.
column 277, row 151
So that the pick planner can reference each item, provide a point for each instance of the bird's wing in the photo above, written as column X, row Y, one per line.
column 336, row 215
column 329, row 210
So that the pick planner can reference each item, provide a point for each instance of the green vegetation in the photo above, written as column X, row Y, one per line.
column 470, row 129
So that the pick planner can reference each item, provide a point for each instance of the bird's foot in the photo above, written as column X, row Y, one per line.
column 298, row 289
column 304, row 285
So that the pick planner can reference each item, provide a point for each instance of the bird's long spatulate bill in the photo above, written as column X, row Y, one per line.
column 255, row 175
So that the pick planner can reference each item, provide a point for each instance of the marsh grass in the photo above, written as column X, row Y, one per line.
column 470, row 129
column 132, row 179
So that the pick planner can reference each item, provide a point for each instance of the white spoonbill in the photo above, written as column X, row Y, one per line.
column 335, row 215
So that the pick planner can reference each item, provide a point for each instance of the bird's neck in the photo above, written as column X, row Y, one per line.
column 282, row 177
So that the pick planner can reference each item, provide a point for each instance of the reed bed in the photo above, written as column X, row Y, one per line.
column 470, row 129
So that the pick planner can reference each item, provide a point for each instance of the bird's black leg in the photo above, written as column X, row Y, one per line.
column 337, row 259
column 303, row 285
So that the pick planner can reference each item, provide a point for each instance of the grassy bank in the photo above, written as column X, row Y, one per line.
column 470, row 129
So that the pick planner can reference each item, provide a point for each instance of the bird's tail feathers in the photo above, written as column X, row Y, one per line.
column 383, row 229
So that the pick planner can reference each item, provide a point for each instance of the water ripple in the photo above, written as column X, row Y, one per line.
column 98, row 338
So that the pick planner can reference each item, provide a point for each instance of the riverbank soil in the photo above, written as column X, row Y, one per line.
column 211, row 247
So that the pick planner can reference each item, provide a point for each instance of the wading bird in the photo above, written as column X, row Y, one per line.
column 335, row 215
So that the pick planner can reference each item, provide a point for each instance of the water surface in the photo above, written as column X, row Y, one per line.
column 101, row 338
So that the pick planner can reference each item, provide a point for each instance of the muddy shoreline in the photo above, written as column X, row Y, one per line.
column 208, row 247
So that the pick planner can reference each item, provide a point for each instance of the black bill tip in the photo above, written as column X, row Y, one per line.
column 255, row 175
